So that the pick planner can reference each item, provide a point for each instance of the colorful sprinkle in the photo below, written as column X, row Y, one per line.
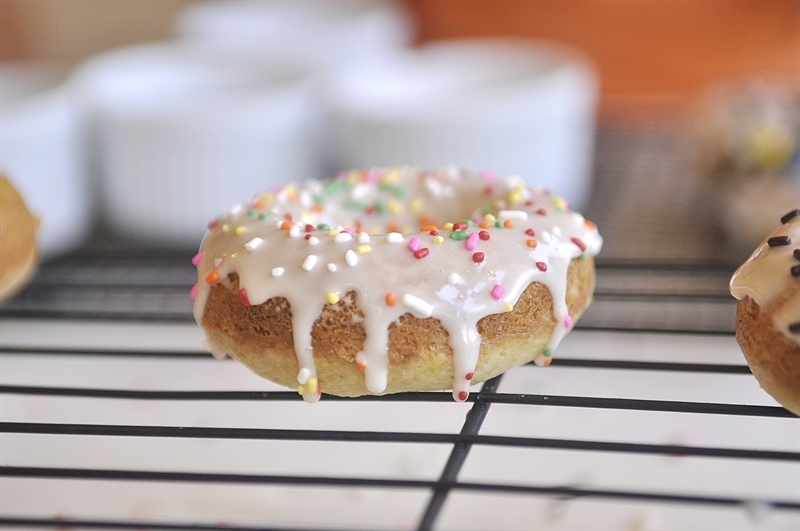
column 196, row 259
column 277, row 271
column 253, row 244
column 193, row 291
column 580, row 243
column 498, row 291
column 310, row 262
column 472, row 241
column 421, row 253
column 363, row 249
column 332, row 297
column 417, row 305
column 212, row 278
column 414, row 244
column 390, row 299
column 243, row 297
column 351, row 258
column 531, row 243
column 463, row 395
column 568, row 322
column 394, row 237
column 484, row 235
column 459, row 235
column 542, row 266
column 478, row 257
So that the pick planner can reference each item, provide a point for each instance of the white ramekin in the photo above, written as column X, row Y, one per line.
column 39, row 154
column 334, row 33
column 178, row 131
column 510, row 106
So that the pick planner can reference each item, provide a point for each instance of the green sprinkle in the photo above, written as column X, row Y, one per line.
column 323, row 227
column 395, row 190
column 548, row 352
column 352, row 204
column 498, row 224
column 459, row 235
column 380, row 208
column 262, row 216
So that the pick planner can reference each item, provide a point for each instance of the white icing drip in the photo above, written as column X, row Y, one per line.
column 448, row 281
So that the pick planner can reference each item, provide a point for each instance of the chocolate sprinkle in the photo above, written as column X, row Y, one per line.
column 795, row 328
column 796, row 254
column 789, row 216
column 775, row 241
column 795, row 271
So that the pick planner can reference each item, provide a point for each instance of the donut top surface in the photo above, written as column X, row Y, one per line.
column 770, row 271
column 448, row 244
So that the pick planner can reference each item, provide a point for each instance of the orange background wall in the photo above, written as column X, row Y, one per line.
column 645, row 50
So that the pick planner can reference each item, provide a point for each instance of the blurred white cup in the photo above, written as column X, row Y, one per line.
column 180, row 131
column 510, row 106
column 39, row 153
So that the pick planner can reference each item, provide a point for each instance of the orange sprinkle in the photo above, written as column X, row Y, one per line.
column 393, row 227
column 286, row 225
column 428, row 228
column 361, row 366
column 391, row 300
column 213, row 277
column 484, row 224
column 260, row 204
column 508, row 224
column 532, row 243
column 317, row 208
column 589, row 224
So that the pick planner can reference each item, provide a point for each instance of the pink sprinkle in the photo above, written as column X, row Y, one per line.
column 196, row 259
column 568, row 321
column 193, row 292
column 497, row 291
column 488, row 176
column 414, row 244
column 581, row 245
column 472, row 241
column 542, row 266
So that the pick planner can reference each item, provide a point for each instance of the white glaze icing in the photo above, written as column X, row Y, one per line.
column 288, row 242
column 768, row 273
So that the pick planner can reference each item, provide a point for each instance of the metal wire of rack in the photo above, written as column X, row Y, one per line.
column 113, row 416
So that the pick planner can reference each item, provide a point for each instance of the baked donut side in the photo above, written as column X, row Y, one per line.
column 767, row 287
column 19, row 255
column 419, row 351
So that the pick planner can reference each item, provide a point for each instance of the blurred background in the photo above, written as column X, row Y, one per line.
column 622, row 106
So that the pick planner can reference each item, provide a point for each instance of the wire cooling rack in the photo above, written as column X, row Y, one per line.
column 112, row 416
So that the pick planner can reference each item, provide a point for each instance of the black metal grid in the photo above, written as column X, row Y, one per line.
column 634, row 296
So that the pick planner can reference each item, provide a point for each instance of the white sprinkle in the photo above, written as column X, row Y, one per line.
column 277, row 271
column 394, row 237
column 544, row 237
column 453, row 278
column 310, row 262
column 302, row 376
column 313, row 240
column 363, row 237
column 556, row 231
column 253, row 244
column 343, row 237
column 418, row 306
column 512, row 214
column 331, row 267
column 351, row 258
column 294, row 231
column 235, row 210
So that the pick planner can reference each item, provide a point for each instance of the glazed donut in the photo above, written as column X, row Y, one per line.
column 394, row 279
column 767, row 287
column 19, row 255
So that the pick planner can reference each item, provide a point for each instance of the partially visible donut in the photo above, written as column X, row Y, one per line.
column 391, row 280
column 768, row 312
column 18, row 250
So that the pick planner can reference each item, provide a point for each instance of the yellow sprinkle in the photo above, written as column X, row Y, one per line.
column 507, row 307
column 225, row 228
column 559, row 203
column 311, row 385
column 239, row 230
column 392, row 175
column 332, row 298
column 438, row 239
column 394, row 206
column 416, row 205
column 363, row 249
column 448, row 226
column 333, row 232
column 490, row 218
column 299, row 389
